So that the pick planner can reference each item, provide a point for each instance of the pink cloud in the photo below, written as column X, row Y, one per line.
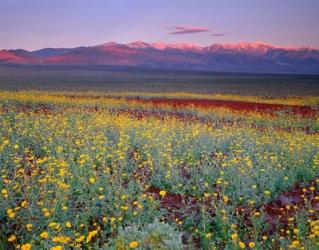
column 178, row 30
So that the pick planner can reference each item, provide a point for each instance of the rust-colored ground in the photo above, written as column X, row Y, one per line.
column 276, row 214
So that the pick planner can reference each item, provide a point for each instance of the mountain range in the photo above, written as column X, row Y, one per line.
column 240, row 57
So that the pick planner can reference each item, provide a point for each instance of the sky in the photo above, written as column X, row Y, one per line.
column 34, row 24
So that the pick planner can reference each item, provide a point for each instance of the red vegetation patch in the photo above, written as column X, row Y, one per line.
column 162, row 115
column 234, row 105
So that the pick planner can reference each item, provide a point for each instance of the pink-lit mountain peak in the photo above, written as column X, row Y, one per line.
column 158, row 46
column 108, row 44
column 138, row 45
column 258, row 46
column 252, row 47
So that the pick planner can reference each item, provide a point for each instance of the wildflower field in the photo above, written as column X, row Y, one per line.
column 90, row 170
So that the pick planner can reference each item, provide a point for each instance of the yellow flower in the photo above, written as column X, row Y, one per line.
column 10, row 213
column 101, row 197
column 234, row 236
column 4, row 193
column 26, row 246
column 24, row 204
column 295, row 244
column 208, row 236
column 91, row 235
column 61, row 239
column 162, row 193
column 29, row 226
column 56, row 248
column 52, row 224
column 134, row 244
column 251, row 244
column 62, row 172
column 68, row 224
column 80, row 239
column 135, row 203
column 44, row 235
column 12, row 238
column 267, row 193
column 225, row 199
column 92, row 180
column 112, row 220
column 241, row 245
column 45, row 212
column 257, row 214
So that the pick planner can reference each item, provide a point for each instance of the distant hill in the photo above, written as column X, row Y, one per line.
column 241, row 57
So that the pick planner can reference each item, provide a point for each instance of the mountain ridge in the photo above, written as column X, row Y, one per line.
column 239, row 57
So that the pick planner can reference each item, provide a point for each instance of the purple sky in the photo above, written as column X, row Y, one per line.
column 34, row 24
